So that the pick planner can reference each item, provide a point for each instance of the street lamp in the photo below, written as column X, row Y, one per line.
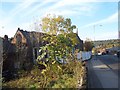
column 94, row 38
column 94, row 30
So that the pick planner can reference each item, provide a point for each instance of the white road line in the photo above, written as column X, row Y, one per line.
column 97, row 64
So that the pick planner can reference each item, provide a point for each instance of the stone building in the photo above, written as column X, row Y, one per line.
column 22, row 50
column 27, row 46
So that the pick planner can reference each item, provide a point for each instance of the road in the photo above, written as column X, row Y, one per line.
column 112, row 62
column 103, row 72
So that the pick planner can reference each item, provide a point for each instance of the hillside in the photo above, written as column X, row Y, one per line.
column 107, row 43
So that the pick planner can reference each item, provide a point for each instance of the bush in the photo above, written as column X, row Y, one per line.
column 67, row 77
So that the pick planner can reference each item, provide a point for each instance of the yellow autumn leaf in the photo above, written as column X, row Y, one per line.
column 59, row 67
column 53, row 62
column 43, row 71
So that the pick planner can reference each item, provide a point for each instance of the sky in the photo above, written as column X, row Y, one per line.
column 95, row 19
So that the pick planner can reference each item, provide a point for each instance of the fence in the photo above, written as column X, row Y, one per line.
column 82, row 55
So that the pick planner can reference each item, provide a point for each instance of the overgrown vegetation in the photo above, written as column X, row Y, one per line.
column 61, row 68
column 65, row 77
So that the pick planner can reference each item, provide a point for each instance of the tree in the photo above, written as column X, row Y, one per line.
column 88, row 45
column 61, row 40
column 55, row 25
column 60, row 43
column 60, row 36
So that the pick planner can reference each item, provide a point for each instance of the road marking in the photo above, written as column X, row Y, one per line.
column 97, row 64
column 105, row 74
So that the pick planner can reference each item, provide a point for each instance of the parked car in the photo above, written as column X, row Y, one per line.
column 99, row 53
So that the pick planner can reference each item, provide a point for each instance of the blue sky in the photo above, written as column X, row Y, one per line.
column 85, row 14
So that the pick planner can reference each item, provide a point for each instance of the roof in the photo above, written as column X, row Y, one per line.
column 26, row 35
column 78, row 37
column 31, row 36
column 34, row 38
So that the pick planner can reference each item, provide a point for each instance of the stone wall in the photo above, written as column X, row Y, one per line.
column 1, row 61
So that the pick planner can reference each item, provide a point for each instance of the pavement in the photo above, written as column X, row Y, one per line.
column 100, row 75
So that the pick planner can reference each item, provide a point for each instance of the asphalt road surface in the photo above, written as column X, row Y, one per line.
column 103, row 72
column 112, row 62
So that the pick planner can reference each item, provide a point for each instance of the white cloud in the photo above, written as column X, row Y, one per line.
column 22, row 6
column 26, row 7
column 60, row 12
column 111, row 34
column 62, row 3
column 6, row 20
column 108, row 35
column 23, row 9
column 66, row 3
column 24, row 25
column 9, row 30
column 38, row 7
column 111, row 19
column 59, row 7
column 70, row 8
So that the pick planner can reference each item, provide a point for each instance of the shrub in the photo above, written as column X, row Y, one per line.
column 66, row 77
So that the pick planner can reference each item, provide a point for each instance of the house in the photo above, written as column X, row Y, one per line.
column 23, row 49
column 20, row 52
column 27, row 46
column 80, row 43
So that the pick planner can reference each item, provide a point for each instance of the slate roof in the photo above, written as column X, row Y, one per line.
column 34, row 36
column 26, row 35
column 31, row 36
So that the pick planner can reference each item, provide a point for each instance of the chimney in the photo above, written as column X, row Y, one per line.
column 18, row 28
